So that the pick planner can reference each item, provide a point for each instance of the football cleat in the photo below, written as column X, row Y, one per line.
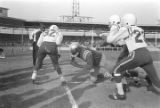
column 117, row 97
column 34, row 75
column 63, row 81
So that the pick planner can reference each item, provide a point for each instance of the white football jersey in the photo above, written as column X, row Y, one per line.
column 135, row 38
column 55, row 37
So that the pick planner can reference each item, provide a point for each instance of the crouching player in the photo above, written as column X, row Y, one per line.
column 91, row 57
column 139, row 56
column 114, row 23
column 48, row 43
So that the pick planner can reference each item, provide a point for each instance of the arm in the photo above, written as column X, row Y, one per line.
column 40, row 40
column 113, row 30
column 103, row 36
column 59, row 39
column 74, row 63
column 31, row 36
column 121, row 34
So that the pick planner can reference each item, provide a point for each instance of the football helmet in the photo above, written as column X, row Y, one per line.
column 114, row 19
column 53, row 29
column 74, row 48
column 129, row 19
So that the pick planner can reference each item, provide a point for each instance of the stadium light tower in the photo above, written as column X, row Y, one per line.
column 75, row 8
column 75, row 14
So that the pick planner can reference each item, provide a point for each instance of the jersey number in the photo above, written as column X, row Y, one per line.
column 138, row 34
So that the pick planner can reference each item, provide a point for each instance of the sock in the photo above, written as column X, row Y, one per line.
column 120, row 88
column 34, row 75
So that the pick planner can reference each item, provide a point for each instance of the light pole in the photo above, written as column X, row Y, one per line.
column 92, row 38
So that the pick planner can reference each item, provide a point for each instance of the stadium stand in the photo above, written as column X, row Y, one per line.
column 15, row 32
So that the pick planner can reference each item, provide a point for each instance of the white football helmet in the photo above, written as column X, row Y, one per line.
column 114, row 19
column 53, row 29
column 129, row 19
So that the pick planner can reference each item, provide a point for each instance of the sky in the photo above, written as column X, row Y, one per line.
column 147, row 11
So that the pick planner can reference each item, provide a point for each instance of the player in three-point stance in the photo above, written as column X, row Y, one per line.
column 139, row 56
column 91, row 57
column 48, row 45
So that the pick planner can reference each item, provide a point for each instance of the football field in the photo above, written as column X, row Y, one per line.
column 17, row 90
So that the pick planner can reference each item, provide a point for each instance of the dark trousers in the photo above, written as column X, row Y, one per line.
column 139, row 58
column 50, row 49
column 96, row 63
column 124, row 53
column 35, row 52
column 1, row 51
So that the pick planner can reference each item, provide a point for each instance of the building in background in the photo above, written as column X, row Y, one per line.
column 14, row 31
column 3, row 12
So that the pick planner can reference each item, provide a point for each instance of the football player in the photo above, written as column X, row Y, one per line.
column 91, row 57
column 48, row 45
column 139, row 56
column 114, row 24
column 34, row 37
column 2, row 55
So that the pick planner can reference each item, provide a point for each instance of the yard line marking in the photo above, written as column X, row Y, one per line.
column 53, row 99
column 71, row 98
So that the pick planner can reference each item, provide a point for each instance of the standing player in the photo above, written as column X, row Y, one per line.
column 91, row 57
column 34, row 37
column 139, row 56
column 48, row 43
column 2, row 55
column 114, row 24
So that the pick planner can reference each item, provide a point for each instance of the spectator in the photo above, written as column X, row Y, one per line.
column 34, row 38
column 2, row 55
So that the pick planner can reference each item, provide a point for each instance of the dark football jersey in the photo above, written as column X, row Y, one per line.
column 85, row 52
